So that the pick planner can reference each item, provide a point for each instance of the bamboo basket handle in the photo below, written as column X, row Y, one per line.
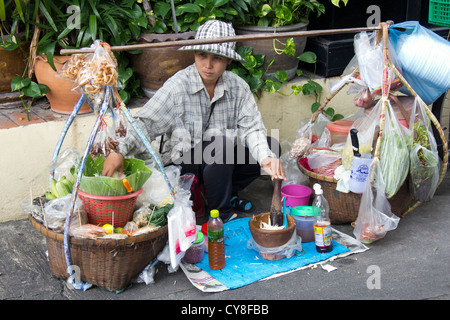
column 331, row 96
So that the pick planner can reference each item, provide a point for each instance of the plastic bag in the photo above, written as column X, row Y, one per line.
column 292, row 171
column 105, row 141
column 287, row 250
column 155, row 190
column 367, row 126
column 424, row 157
column 181, row 221
column 375, row 217
column 92, row 72
column 423, row 57
column 302, row 141
column 394, row 153
column 370, row 61
column 56, row 211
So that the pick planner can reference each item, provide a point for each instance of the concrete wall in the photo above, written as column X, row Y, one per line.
column 26, row 152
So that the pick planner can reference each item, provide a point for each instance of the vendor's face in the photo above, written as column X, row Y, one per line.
column 210, row 66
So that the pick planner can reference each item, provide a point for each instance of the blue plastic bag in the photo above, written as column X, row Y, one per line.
column 424, row 57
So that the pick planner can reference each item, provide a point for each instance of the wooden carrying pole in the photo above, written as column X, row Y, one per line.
column 258, row 36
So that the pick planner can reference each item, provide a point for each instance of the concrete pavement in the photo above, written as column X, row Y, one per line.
column 412, row 262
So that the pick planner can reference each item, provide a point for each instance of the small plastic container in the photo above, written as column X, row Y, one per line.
column 205, row 235
column 339, row 131
column 196, row 251
column 304, row 218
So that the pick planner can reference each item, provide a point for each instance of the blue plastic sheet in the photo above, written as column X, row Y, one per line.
column 244, row 266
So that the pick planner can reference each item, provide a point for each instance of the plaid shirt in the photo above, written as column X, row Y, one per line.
column 180, row 110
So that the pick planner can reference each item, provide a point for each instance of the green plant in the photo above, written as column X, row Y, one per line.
column 190, row 14
column 28, row 88
column 116, row 22
column 276, row 13
column 253, row 73
column 15, row 27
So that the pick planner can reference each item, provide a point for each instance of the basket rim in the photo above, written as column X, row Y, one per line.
column 129, row 241
column 314, row 174
column 110, row 198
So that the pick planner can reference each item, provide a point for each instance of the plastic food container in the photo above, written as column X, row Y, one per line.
column 296, row 194
column 196, row 251
column 304, row 217
column 339, row 131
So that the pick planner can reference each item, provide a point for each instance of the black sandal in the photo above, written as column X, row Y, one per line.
column 241, row 205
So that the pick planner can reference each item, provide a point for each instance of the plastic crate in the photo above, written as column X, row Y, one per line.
column 439, row 13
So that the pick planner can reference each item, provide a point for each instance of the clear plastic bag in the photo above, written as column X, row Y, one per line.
column 181, row 221
column 424, row 157
column 56, row 211
column 394, row 153
column 302, row 141
column 370, row 62
column 105, row 142
column 287, row 250
column 367, row 126
column 375, row 217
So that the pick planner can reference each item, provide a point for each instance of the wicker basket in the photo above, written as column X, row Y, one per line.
column 100, row 209
column 344, row 207
column 110, row 264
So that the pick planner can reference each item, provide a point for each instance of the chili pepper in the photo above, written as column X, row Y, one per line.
column 127, row 185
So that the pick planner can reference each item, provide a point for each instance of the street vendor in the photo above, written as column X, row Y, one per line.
column 205, row 115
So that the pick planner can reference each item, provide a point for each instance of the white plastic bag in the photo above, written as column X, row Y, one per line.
column 375, row 217
column 181, row 222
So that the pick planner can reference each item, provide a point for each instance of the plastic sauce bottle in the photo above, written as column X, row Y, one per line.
column 216, row 245
column 322, row 224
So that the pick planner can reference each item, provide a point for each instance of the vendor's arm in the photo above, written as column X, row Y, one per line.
column 155, row 118
column 113, row 163
column 274, row 168
column 253, row 132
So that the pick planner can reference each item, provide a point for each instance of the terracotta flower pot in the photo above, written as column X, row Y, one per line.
column 12, row 64
column 61, row 95
column 155, row 65
column 266, row 47
column 270, row 238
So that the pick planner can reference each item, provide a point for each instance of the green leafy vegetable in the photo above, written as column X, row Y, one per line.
column 135, row 171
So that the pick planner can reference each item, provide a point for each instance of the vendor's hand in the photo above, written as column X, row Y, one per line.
column 274, row 168
column 113, row 163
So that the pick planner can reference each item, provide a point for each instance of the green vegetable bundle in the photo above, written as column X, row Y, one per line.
column 425, row 166
column 92, row 182
column 394, row 154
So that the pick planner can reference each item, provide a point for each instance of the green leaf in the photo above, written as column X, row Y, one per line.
column 135, row 170
column 188, row 7
column 330, row 112
column 2, row 10
column 308, row 57
column 49, row 50
column 18, row 83
column 47, row 16
column 315, row 106
column 289, row 50
column 93, row 26
column 33, row 90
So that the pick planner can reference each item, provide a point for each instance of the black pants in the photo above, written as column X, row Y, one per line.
column 222, row 173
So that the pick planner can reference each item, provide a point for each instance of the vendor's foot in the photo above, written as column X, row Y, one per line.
column 241, row 205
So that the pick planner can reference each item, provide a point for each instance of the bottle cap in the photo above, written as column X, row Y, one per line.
column 199, row 237
column 214, row 213
column 317, row 188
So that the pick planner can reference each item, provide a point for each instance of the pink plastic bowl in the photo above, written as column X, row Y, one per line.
column 296, row 194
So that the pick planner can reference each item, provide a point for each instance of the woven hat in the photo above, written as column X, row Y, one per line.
column 213, row 29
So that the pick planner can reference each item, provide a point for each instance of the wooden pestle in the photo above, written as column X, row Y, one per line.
column 276, row 215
